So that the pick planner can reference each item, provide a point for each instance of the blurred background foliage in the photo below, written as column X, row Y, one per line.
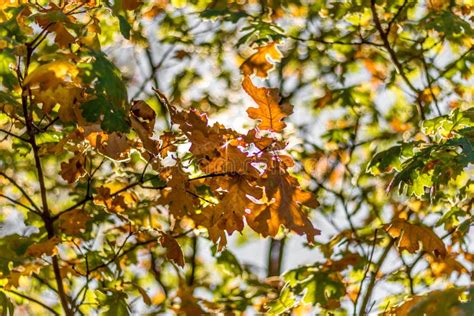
column 382, row 133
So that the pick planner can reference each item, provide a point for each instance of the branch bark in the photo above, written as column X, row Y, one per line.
column 45, row 214
column 373, row 277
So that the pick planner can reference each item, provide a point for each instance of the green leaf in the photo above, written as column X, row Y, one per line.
column 110, row 105
column 115, row 302
column 229, row 262
column 385, row 160
column 125, row 27
column 113, row 119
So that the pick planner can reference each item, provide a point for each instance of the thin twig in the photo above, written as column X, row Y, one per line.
column 22, row 190
column 31, row 299
column 394, row 58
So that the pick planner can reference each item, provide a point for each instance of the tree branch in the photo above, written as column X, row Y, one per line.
column 12, row 181
column 46, row 215
column 34, row 300
column 13, row 135
column 394, row 58
column 373, row 277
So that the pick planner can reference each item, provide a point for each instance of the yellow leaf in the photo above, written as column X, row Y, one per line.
column 445, row 266
column 115, row 200
column 52, row 74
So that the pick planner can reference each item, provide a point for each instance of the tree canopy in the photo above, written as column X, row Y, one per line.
column 144, row 143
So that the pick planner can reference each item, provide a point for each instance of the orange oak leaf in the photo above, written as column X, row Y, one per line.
column 177, row 193
column 142, row 118
column 228, row 215
column 167, row 145
column 189, row 304
column 63, row 37
column 114, row 145
column 262, row 142
column 284, row 199
column 403, row 309
column 130, row 4
column 112, row 196
column 47, row 247
column 173, row 250
column 445, row 266
column 270, row 112
column 210, row 217
column 259, row 62
column 74, row 168
column 412, row 237
column 144, row 114
column 204, row 139
column 229, row 159
column 72, row 223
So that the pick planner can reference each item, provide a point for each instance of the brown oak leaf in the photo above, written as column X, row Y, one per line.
column 270, row 112
column 284, row 199
column 413, row 237
column 173, row 250
column 74, row 168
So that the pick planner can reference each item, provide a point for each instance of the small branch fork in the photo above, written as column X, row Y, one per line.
column 393, row 55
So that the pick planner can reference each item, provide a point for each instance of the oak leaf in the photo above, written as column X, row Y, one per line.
column 130, row 4
column 445, row 266
column 114, row 197
column 229, row 159
column 52, row 74
column 228, row 215
column 173, row 250
column 54, row 20
column 47, row 247
column 259, row 63
column 210, row 217
column 72, row 223
column 270, row 112
column 114, row 145
column 177, row 193
column 54, row 83
column 167, row 144
column 74, row 168
column 285, row 199
column 204, row 138
column 142, row 118
column 412, row 237
column 13, row 278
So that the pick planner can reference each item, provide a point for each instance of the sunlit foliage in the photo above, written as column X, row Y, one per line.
column 143, row 141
